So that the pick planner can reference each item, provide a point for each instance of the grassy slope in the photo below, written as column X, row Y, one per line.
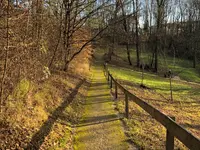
column 28, row 115
column 183, row 68
column 61, row 135
column 32, row 105
column 144, row 130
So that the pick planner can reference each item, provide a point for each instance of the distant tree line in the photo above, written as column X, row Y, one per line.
column 161, row 27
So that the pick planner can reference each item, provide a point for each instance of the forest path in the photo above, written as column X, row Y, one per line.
column 100, row 128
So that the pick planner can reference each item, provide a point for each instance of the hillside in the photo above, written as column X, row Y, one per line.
column 43, row 117
column 143, row 129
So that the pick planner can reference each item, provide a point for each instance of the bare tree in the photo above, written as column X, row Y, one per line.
column 136, row 5
column 5, row 57
column 126, row 28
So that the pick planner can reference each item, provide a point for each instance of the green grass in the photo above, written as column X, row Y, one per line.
column 152, row 81
column 181, row 67
column 145, row 131
column 188, row 74
column 157, row 82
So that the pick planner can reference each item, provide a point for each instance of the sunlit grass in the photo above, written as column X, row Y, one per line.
column 150, row 80
column 180, row 67
column 143, row 129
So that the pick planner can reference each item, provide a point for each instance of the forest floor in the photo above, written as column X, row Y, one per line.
column 43, row 118
column 101, row 127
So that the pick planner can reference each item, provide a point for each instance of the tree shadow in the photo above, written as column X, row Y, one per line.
column 98, row 89
column 88, row 121
column 129, row 83
column 39, row 137
column 194, row 126
column 99, row 118
column 174, row 102
column 165, row 100
column 98, row 96
column 96, row 84
column 97, row 102
column 157, row 100
column 195, row 92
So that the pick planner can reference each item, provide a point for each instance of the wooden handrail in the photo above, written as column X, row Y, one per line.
column 173, row 129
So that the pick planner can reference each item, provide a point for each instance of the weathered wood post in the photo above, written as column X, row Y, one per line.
column 126, row 105
column 104, row 69
column 108, row 76
column 111, row 79
column 170, row 80
column 170, row 139
column 115, row 90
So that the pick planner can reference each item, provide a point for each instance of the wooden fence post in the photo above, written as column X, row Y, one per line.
column 115, row 90
column 111, row 81
column 170, row 139
column 104, row 69
column 126, row 105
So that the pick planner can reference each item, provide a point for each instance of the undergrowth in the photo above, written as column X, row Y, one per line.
column 31, row 105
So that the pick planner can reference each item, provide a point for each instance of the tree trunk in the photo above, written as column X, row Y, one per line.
column 127, row 32
column 137, row 35
column 111, row 50
column 59, row 39
column 194, row 58
column 152, row 60
column 156, row 58
column 5, row 59
column 128, row 54
column 66, row 66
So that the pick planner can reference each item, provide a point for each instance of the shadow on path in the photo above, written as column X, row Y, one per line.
column 97, row 102
column 39, row 137
column 99, row 96
column 88, row 121
column 99, row 118
column 98, row 122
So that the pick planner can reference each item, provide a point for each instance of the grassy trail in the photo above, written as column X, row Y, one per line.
column 101, row 128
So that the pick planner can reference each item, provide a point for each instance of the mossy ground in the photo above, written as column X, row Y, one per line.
column 100, row 128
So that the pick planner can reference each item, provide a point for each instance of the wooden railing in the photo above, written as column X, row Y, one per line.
column 173, row 129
